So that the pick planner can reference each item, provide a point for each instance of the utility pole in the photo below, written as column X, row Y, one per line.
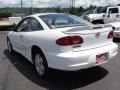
column 22, row 8
column 21, row 4
column 72, row 7
column 31, row 6
column 72, row 2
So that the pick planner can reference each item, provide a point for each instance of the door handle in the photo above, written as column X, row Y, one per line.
column 21, row 36
column 117, row 15
column 108, row 15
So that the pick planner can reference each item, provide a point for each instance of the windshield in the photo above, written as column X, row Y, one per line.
column 101, row 10
column 63, row 20
column 88, row 12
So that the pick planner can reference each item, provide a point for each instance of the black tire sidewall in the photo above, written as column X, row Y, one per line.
column 44, row 62
column 10, row 46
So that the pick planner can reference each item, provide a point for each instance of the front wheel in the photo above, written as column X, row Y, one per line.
column 9, row 46
column 40, row 64
column 98, row 22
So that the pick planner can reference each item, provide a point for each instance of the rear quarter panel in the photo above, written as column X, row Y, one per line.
column 46, row 41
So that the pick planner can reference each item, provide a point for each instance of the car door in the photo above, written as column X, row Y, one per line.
column 17, row 36
column 33, row 26
column 112, row 15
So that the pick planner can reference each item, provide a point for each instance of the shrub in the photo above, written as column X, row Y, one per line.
column 7, row 27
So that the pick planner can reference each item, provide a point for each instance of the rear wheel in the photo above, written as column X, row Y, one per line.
column 9, row 46
column 40, row 64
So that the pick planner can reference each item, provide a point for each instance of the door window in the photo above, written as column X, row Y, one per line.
column 34, row 25
column 113, row 10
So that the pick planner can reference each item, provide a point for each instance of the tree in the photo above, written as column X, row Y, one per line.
column 80, row 10
column 72, row 10
column 91, row 7
column 58, row 9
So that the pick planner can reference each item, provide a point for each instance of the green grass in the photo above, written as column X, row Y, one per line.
column 6, row 27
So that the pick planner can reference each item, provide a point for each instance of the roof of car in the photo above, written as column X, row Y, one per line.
column 40, row 14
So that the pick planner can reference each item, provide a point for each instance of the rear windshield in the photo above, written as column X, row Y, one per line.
column 63, row 20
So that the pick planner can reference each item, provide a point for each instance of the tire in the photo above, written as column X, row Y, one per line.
column 98, row 22
column 10, row 49
column 101, row 22
column 40, row 64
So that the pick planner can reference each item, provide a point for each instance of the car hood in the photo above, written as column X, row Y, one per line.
column 115, row 24
column 96, row 16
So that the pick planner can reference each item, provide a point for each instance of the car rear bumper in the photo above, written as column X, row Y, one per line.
column 73, row 61
column 117, row 34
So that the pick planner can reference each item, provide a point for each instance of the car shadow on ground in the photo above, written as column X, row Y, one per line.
column 57, row 80
column 117, row 40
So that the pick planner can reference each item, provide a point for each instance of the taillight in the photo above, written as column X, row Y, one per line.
column 110, row 35
column 69, row 40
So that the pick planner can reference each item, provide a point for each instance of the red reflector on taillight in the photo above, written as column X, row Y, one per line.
column 76, row 40
column 69, row 40
column 64, row 41
column 110, row 35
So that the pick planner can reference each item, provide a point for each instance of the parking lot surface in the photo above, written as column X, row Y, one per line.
column 16, row 73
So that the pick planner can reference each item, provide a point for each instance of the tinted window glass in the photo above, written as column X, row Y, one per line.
column 23, row 24
column 34, row 25
column 88, row 12
column 63, row 20
column 113, row 10
column 101, row 10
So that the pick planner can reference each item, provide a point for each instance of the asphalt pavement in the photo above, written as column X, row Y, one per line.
column 16, row 73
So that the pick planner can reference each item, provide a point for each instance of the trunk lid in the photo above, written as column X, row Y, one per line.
column 93, row 37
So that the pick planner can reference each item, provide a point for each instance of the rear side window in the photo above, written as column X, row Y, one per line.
column 34, row 25
column 113, row 10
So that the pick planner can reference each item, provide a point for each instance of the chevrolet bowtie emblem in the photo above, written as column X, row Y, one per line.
column 97, row 35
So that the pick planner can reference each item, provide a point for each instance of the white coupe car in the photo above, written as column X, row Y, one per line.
column 61, row 41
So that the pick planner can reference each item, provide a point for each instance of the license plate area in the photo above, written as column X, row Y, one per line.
column 101, row 58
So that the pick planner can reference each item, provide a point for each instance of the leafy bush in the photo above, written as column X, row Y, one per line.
column 7, row 27
column 5, row 14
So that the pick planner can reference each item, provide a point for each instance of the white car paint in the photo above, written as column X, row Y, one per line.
column 93, row 17
column 106, row 16
column 116, row 26
column 72, row 57
column 112, row 17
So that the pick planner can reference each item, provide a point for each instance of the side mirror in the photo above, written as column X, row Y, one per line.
column 110, row 12
column 20, row 29
column 103, row 15
column 12, row 28
column 108, row 15
column 86, row 15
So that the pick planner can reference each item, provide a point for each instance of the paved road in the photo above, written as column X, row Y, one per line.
column 16, row 73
